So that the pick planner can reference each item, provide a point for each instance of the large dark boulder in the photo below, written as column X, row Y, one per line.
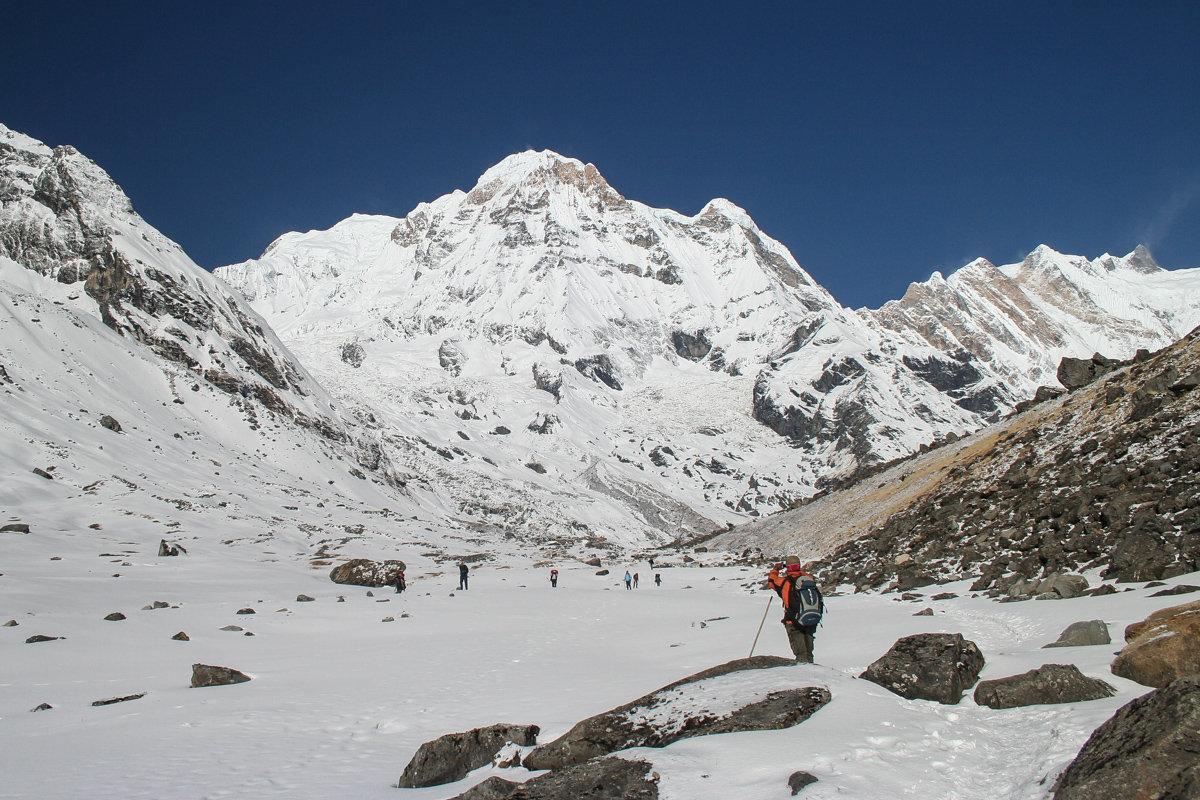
column 1075, row 373
column 364, row 572
column 1162, row 647
column 449, row 758
column 695, row 706
column 928, row 666
column 1148, row 749
column 1048, row 684
column 610, row 778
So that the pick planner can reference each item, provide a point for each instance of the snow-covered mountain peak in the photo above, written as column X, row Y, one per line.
column 525, row 178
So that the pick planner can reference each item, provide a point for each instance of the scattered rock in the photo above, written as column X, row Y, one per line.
column 364, row 572
column 602, row 572
column 208, row 675
column 1146, row 750
column 181, row 637
column 233, row 628
column 1083, row 634
column 799, row 779
column 611, row 778
column 246, row 611
column 109, row 422
column 160, row 604
column 116, row 616
column 1102, row 589
column 15, row 527
column 42, row 707
column 928, row 666
column 944, row 596
column 41, row 638
column 388, row 619
column 924, row 612
column 41, row 473
column 1048, row 684
column 303, row 598
column 593, row 562
column 449, row 758
column 680, row 711
column 1162, row 647
column 1183, row 588
column 113, row 700
column 12, row 623
column 170, row 549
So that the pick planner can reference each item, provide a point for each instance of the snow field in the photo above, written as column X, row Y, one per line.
column 340, row 700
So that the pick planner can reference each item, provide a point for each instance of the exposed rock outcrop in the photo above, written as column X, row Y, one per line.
column 928, row 666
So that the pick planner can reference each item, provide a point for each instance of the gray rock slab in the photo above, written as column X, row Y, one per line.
column 1083, row 634
column 1046, row 685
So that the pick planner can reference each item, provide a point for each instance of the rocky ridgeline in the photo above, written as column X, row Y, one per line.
column 1106, row 476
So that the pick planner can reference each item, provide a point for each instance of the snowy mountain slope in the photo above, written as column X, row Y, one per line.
column 1022, row 319
column 541, row 331
column 70, row 237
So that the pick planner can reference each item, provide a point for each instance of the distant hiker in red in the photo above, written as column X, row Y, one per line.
column 554, row 578
column 803, row 606
column 635, row 580
column 400, row 584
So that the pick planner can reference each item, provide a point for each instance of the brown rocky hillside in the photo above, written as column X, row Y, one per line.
column 1105, row 476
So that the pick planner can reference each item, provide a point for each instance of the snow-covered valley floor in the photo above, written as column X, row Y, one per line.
column 340, row 700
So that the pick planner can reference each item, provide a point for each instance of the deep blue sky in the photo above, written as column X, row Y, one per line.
column 878, row 141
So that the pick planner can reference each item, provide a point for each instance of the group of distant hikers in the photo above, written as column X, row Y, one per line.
column 803, row 603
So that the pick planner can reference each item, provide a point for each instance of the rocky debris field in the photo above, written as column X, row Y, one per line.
column 1104, row 477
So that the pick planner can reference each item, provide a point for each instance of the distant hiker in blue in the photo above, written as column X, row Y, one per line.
column 462, row 576
column 803, row 606
column 628, row 580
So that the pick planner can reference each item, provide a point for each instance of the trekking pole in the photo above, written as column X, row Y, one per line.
column 760, row 627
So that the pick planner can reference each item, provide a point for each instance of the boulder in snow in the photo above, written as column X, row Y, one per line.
column 364, row 572
column 731, row 697
column 928, row 666
column 611, row 778
column 1048, row 684
column 449, row 758
column 1162, row 647
column 1082, row 634
column 1147, row 749
column 208, row 675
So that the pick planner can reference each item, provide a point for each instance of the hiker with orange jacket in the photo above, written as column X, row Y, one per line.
column 803, row 606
